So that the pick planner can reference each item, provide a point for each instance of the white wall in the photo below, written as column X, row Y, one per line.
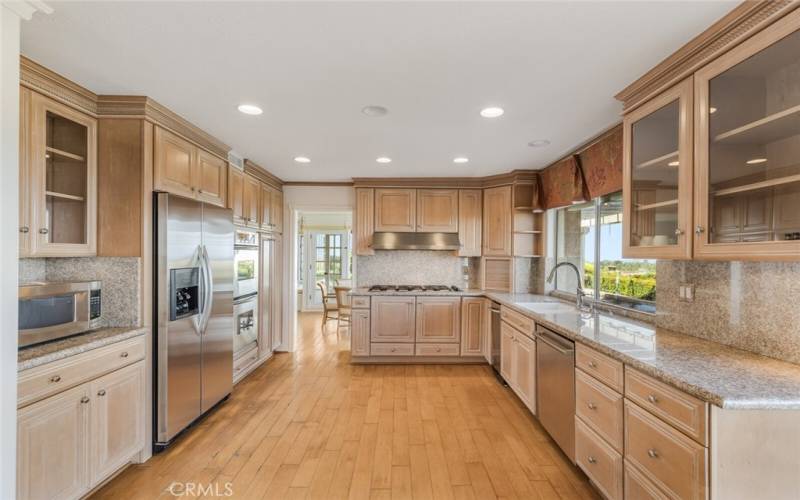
column 311, row 199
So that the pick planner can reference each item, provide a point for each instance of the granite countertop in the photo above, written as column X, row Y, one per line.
column 724, row 376
column 29, row 357
column 471, row 292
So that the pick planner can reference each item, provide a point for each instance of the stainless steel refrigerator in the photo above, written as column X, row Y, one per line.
column 193, row 287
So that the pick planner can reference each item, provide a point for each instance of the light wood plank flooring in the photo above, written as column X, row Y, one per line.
column 310, row 425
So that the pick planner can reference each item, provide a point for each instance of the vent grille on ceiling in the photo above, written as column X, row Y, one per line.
column 236, row 160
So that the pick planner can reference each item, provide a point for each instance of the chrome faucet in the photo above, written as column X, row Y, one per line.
column 579, row 295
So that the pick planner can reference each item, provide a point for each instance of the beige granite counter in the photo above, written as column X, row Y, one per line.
column 721, row 375
column 29, row 357
column 364, row 291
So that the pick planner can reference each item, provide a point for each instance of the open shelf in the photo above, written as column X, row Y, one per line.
column 768, row 129
column 527, row 256
column 660, row 161
column 527, row 232
column 651, row 206
column 755, row 186
column 64, row 196
column 64, row 154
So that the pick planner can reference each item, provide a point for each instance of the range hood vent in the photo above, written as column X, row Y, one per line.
column 415, row 241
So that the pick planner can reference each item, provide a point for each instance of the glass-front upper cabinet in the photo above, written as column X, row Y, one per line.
column 61, row 180
column 657, row 176
column 747, row 182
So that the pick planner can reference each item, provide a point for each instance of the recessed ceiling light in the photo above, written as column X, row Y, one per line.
column 383, row 159
column 539, row 143
column 756, row 161
column 373, row 110
column 492, row 112
column 673, row 164
column 460, row 159
column 250, row 109
column 302, row 159
column 712, row 110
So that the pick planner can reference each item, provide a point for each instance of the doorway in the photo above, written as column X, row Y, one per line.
column 324, row 256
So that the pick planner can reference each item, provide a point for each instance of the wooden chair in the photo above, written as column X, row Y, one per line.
column 327, row 306
column 343, row 305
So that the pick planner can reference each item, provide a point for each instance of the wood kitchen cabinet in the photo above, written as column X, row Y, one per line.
column 518, row 363
column 186, row 170
column 437, row 210
column 396, row 210
column 470, row 222
column 276, row 212
column 265, row 193
column 251, row 197
column 747, row 176
column 364, row 221
column 359, row 333
column 497, row 220
column 438, row 319
column 236, row 194
column 474, row 326
column 58, row 179
column 393, row 319
column 657, row 176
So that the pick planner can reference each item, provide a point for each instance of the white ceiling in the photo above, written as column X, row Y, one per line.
column 554, row 67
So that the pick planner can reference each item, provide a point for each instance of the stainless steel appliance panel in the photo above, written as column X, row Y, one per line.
column 555, row 388
column 179, row 229
column 218, row 325
column 246, row 263
column 246, row 324
column 494, row 337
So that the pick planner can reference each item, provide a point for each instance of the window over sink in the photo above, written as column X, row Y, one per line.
column 589, row 235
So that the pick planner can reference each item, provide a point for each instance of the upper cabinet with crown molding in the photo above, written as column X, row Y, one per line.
column 58, row 179
column 396, row 210
column 711, row 164
column 437, row 210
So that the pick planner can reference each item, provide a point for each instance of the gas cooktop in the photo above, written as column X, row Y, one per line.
column 413, row 288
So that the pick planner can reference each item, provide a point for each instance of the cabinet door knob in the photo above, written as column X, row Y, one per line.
column 678, row 232
column 101, row 392
column 55, row 378
column 652, row 398
column 591, row 406
column 699, row 229
column 392, row 349
column 200, row 191
column 85, row 399
column 591, row 459
column 124, row 354
column 438, row 349
column 24, row 229
column 652, row 453
column 592, row 364
column 44, row 230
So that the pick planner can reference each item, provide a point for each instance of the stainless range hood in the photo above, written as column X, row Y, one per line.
column 415, row 241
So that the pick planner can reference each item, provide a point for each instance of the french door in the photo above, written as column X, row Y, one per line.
column 327, row 260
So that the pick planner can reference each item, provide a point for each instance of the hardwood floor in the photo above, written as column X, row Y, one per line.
column 310, row 425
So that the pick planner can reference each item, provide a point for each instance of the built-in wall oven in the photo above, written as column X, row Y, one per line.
column 53, row 310
column 245, row 314
column 245, row 255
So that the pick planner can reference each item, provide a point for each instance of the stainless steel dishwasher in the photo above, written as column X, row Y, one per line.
column 555, row 387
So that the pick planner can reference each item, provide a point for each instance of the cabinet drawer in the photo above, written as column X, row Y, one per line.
column 598, row 460
column 672, row 461
column 391, row 349
column 241, row 363
column 438, row 350
column 639, row 487
column 605, row 369
column 360, row 302
column 684, row 412
column 52, row 378
column 600, row 408
column 517, row 320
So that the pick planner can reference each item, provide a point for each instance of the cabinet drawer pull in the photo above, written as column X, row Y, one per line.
column 101, row 392
column 592, row 364
column 55, row 378
column 652, row 453
column 393, row 349
column 124, row 354
column 44, row 230
column 24, row 229
column 591, row 459
column 438, row 349
column 652, row 398
column 591, row 406
column 85, row 399
column 200, row 191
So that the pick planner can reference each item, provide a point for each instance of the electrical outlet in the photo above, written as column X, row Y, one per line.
column 686, row 292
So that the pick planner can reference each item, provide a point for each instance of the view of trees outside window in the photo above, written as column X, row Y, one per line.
column 625, row 282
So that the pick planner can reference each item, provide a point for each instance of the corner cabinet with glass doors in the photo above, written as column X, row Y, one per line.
column 747, row 178
column 657, row 176
column 58, row 179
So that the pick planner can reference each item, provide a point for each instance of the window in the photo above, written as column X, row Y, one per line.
column 591, row 233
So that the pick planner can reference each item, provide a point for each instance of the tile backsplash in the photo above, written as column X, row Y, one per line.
column 120, row 277
column 406, row 267
column 748, row 305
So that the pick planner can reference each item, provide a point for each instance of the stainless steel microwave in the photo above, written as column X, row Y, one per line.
column 50, row 311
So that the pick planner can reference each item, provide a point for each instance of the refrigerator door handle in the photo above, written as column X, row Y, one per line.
column 208, row 285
